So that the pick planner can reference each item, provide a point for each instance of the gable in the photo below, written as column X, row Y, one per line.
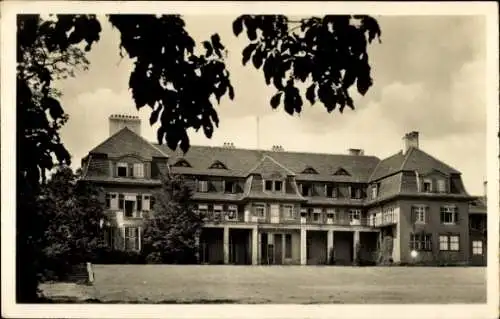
column 423, row 163
column 270, row 168
column 125, row 142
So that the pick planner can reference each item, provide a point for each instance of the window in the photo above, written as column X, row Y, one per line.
column 152, row 201
column 268, row 185
column 202, row 186
column 427, row 186
column 108, row 200
column 259, row 211
column 355, row 192
column 477, row 247
column 419, row 214
column 303, row 212
column 288, row 211
column 441, row 185
column 203, row 209
column 232, row 211
column 449, row 242
column 146, row 203
column 305, row 190
column 374, row 191
column 139, row 170
column 139, row 203
column 132, row 238
column 182, row 163
column 354, row 216
column 121, row 201
column 288, row 246
column 316, row 216
column 217, row 211
column 278, row 186
column 421, row 242
column 309, row 170
column 121, row 169
column 449, row 215
column 229, row 186
column 330, row 213
column 110, row 236
column 217, row 165
column 341, row 172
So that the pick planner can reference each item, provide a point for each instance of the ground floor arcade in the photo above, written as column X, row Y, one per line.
column 275, row 246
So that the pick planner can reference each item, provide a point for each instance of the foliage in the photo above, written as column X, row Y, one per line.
column 46, row 51
column 171, row 229
column 329, row 53
column 72, row 213
column 170, row 78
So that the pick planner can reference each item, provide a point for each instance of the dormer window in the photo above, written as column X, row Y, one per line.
column 341, row 172
column 331, row 191
column 309, row 170
column 441, row 186
column 202, row 186
column 182, row 163
column 229, row 187
column 305, row 190
column 278, row 186
column 139, row 170
column 273, row 186
column 217, row 165
column 355, row 192
column 121, row 169
column 427, row 186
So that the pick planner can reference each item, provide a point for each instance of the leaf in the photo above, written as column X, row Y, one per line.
column 238, row 25
column 247, row 52
column 257, row 59
column 327, row 97
column 310, row 93
column 349, row 78
column 160, row 134
column 231, row 91
column 363, row 83
column 208, row 47
column 215, row 38
column 153, row 118
column 55, row 108
column 275, row 100
column 268, row 69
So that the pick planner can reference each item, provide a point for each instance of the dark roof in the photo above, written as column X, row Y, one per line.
column 126, row 142
column 240, row 162
column 414, row 160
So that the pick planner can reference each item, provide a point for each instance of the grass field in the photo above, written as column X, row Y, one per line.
column 290, row 284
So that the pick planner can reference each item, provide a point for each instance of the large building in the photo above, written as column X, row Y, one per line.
column 279, row 207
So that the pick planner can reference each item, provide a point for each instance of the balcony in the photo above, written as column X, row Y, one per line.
column 224, row 217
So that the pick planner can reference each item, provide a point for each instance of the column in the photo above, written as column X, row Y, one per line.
column 226, row 245
column 329, row 245
column 303, row 246
column 255, row 246
column 355, row 245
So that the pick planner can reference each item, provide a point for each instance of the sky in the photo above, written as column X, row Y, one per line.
column 429, row 76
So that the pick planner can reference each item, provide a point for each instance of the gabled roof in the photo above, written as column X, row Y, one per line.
column 126, row 142
column 241, row 161
column 268, row 166
column 414, row 160
column 341, row 172
column 309, row 170
column 181, row 163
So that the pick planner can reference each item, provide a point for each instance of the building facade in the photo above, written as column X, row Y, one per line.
column 279, row 207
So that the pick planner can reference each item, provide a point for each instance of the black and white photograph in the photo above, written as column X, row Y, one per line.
column 237, row 155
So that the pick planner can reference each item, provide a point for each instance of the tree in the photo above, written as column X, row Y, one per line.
column 329, row 53
column 71, row 215
column 46, row 50
column 171, row 230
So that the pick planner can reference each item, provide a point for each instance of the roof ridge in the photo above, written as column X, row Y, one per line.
column 405, row 160
column 290, row 152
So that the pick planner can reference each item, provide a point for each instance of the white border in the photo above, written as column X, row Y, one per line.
column 9, row 309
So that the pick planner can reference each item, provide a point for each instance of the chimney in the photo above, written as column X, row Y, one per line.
column 119, row 121
column 356, row 152
column 277, row 148
column 228, row 145
column 410, row 140
column 485, row 189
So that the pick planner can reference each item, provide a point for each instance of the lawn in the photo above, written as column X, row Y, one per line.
column 275, row 284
